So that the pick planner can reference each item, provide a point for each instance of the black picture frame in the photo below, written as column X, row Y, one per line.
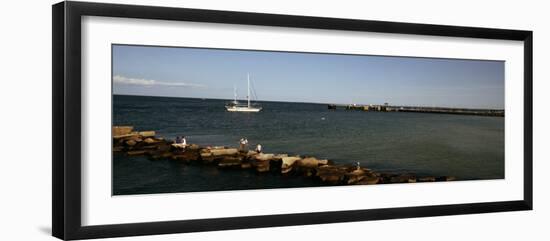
column 66, row 127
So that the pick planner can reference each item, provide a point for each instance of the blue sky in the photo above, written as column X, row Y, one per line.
column 307, row 77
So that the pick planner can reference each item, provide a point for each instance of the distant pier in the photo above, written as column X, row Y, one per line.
column 419, row 109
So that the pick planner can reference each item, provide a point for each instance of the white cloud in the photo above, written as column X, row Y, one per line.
column 118, row 79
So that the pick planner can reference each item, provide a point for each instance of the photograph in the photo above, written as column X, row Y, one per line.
column 275, row 120
column 204, row 119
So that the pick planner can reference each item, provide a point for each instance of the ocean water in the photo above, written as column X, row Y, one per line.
column 467, row 147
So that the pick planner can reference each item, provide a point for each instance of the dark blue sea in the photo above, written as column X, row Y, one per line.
column 467, row 147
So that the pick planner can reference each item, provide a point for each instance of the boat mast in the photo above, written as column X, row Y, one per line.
column 235, row 94
column 248, row 96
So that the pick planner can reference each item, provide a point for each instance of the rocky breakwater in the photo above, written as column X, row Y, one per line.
column 146, row 143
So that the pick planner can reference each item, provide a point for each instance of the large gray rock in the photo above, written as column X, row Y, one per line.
column 127, row 136
column 261, row 166
column 368, row 180
column 445, row 178
column 355, row 176
column 403, row 178
column 187, row 156
column 122, row 130
column 224, row 152
column 230, row 162
column 147, row 133
column 264, row 157
column 332, row 175
column 149, row 140
column 322, row 162
column 288, row 162
column 262, row 162
column 207, row 156
column 135, row 138
column 131, row 143
column 426, row 179
column 193, row 147
column 310, row 162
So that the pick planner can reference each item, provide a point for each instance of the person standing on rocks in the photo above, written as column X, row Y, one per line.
column 180, row 142
column 183, row 141
column 242, row 144
column 259, row 148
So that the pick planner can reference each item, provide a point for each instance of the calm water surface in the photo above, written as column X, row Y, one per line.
column 467, row 147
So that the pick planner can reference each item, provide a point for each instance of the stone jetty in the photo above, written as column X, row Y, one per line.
column 146, row 143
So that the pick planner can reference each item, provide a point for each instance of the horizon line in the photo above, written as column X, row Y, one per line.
column 318, row 103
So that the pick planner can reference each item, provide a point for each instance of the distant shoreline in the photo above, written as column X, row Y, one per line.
column 298, row 102
column 198, row 98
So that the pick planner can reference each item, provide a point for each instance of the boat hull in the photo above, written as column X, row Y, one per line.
column 243, row 109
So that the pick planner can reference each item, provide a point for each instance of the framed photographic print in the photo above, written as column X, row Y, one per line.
column 170, row 120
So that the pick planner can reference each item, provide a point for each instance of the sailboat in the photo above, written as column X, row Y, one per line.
column 235, row 106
